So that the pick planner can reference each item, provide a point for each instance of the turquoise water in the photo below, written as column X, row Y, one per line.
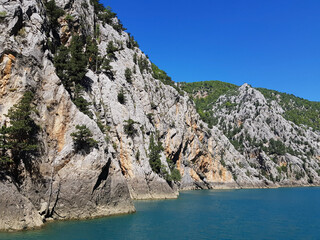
column 286, row 213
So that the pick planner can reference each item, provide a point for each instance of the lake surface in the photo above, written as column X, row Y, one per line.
column 285, row 213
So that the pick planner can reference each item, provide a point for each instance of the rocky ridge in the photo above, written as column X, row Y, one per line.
column 65, row 184
column 281, row 152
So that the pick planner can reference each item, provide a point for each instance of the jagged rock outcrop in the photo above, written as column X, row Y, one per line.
column 61, row 183
column 282, row 152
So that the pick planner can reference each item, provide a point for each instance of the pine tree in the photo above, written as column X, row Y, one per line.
column 92, row 54
column 129, row 128
column 83, row 139
column 128, row 75
column 4, row 145
column 81, row 103
column 121, row 97
column 61, row 63
column 21, row 136
column 154, row 154
column 78, row 62
column 53, row 12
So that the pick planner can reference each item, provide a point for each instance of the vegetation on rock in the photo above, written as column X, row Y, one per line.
column 81, row 103
column 53, row 12
column 3, row 14
column 71, row 63
column 83, row 139
column 18, row 141
column 128, row 75
column 129, row 128
column 155, row 148
column 164, row 78
column 205, row 94
column 298, row 110
column 132, row 43
column 121, row 97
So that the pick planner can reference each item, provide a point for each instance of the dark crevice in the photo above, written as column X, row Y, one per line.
column 18, row 25
column 176, row 156
column 103, row 175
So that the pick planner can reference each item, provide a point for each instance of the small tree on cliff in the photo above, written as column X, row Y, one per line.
column 155, row 149
column 128, row 75
column 20, row 137
column 83, row 139
column 4, row 145
column 78, row 61
column 129, row 128
column 53, row 12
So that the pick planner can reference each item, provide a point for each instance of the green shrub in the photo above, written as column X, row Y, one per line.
column 53, row 12
column 3, row 14
column 121, row 97
column 111, row 49
column 81, row 103
column 78, row 61
column 69, row 18
column 175, row 175
column 107, row 68
column 276, row 147
column 61, row 63
column 128, row 75
column 106, row 15
column 118, row 26
column 155, row 148
column 71, row 63
column 135, row 58
column 101, row 126
column 129, row 128
column 132, row 43
column 93, row 55
column 20, row 138
column 4, row 146
column 83, row 139
column 143, row 64
column 138, row 156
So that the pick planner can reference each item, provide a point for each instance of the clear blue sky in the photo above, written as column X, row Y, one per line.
column 267, row 43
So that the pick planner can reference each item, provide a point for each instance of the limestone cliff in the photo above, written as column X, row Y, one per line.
column 282, row 152
column 61, row 183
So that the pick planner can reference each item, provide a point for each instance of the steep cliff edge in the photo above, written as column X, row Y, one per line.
column 260, row 127
column 84, row 70
column 130, row 114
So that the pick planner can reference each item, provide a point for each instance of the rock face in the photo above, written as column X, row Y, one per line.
column 65, row 184
column 281, row 152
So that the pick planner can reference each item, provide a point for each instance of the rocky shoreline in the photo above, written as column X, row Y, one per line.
column 147, row 138
column 133, row 211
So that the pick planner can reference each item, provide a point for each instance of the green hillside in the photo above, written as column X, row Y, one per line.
column 298, row 110
column 205, row 94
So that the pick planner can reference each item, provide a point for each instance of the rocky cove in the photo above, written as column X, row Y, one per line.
column 144, row 126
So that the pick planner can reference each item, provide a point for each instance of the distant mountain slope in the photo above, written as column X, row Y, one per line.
column 205, row 94
column 296, row 109
column 262, row 128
